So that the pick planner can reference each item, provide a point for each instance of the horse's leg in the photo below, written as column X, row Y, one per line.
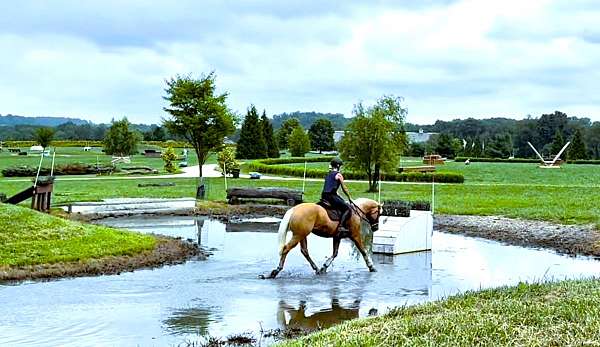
column 286, row 249
column 336, row 246
column 358, row 243
column 304, row 250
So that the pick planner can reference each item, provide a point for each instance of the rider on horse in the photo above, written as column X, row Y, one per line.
column 333, row 181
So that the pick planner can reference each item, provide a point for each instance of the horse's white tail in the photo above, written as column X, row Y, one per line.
column 283, row 228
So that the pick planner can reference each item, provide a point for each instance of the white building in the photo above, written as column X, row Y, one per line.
column 419, row 137
column 413, row 137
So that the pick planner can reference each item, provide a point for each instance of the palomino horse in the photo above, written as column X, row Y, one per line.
column 309, row 217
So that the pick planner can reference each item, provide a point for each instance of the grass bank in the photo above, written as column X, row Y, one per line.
column 547, row 314
column 28, row 237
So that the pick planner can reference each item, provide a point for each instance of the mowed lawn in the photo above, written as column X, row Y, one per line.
column 566, row 195
column 69, row 155
column 28, row 237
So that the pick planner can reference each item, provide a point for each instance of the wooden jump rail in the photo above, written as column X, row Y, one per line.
column 41, row 196
column 290, row 196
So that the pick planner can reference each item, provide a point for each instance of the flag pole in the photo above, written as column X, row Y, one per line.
column 224, row 174
column 304, row 178
column 52, row 168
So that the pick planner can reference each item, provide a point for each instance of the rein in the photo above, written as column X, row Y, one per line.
column 363, row 216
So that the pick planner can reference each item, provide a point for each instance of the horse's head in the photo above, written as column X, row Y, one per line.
column 372, row 210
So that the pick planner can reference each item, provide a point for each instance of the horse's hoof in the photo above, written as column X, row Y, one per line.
column 322, row 271
column 372, row 269
column 262, row 277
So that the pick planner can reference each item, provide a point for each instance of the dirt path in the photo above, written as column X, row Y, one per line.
column 568, row 239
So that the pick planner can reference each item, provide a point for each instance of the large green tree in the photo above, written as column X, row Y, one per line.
column 321, row 135
column 577, row 148
column 444, row 145
column 299, row 142
column 375, row 138
column 120, row 140
column 272, row 148
column 44, row 136
column 198, row 113
column 286, row 129
column 557, row 143
column 251, row 144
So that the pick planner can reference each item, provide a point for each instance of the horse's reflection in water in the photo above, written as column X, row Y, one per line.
column 289, row 316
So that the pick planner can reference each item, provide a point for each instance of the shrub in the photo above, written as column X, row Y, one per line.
column 169, row 156
column 64, row 169
column 227, row 161
column 271, row 166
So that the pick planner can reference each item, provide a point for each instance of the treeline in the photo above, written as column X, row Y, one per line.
column 11, row 119
column 81, row 132
column 504, row 137
column 306, row 119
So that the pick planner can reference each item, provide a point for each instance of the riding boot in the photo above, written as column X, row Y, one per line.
column 343, row 220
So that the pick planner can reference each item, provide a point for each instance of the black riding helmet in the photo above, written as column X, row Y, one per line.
column 336, row 162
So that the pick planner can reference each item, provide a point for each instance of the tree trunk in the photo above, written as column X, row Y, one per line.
column 374, row 182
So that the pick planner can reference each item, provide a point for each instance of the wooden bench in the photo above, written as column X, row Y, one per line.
column 290, row 196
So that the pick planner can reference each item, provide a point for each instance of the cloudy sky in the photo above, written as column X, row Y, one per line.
column 103, row 59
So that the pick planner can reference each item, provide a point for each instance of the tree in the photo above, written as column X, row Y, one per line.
column 44, row 136
column 286, row 129
column 443, row 145
column 321, row 135
column 557, row 143
column 169, row 156
column 547, row 127
column 499, row 146
column 272, row 148
column 577, row 150
column 299, row 142
column 156, row 133
column 120, row 140
column 198, row 114
column 226, row 160
column 375, row 138
column 251, row 144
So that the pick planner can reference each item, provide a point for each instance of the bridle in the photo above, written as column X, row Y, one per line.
column 374, row 224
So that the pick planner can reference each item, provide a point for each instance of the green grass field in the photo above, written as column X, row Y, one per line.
column 564, row 202
column 66, row 155
column 548, row 314
column 28, row 237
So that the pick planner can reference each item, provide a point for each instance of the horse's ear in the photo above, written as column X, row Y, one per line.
column 381, row 205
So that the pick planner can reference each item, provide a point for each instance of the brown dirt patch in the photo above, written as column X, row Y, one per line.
column 168, row 251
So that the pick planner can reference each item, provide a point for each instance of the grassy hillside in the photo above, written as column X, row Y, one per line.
column 28, row 237
column 548, row 314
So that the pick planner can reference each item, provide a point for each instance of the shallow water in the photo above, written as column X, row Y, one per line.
column 222, row 295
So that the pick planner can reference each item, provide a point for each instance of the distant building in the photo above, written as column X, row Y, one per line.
column 419, row 137
column 413, row 137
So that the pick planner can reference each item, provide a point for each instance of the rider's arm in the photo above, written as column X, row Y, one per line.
column 340, row 178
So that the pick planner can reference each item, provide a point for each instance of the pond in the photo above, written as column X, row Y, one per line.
column 223, row 295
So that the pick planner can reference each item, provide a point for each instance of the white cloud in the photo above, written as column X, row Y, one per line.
column 450, row 58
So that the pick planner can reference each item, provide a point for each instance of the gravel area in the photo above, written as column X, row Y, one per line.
column 567, row 239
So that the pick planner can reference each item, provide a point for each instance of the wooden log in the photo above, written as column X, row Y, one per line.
column 277, row 193
column 163, row 184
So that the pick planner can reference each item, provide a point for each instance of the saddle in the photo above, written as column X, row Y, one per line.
column 333, row 214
